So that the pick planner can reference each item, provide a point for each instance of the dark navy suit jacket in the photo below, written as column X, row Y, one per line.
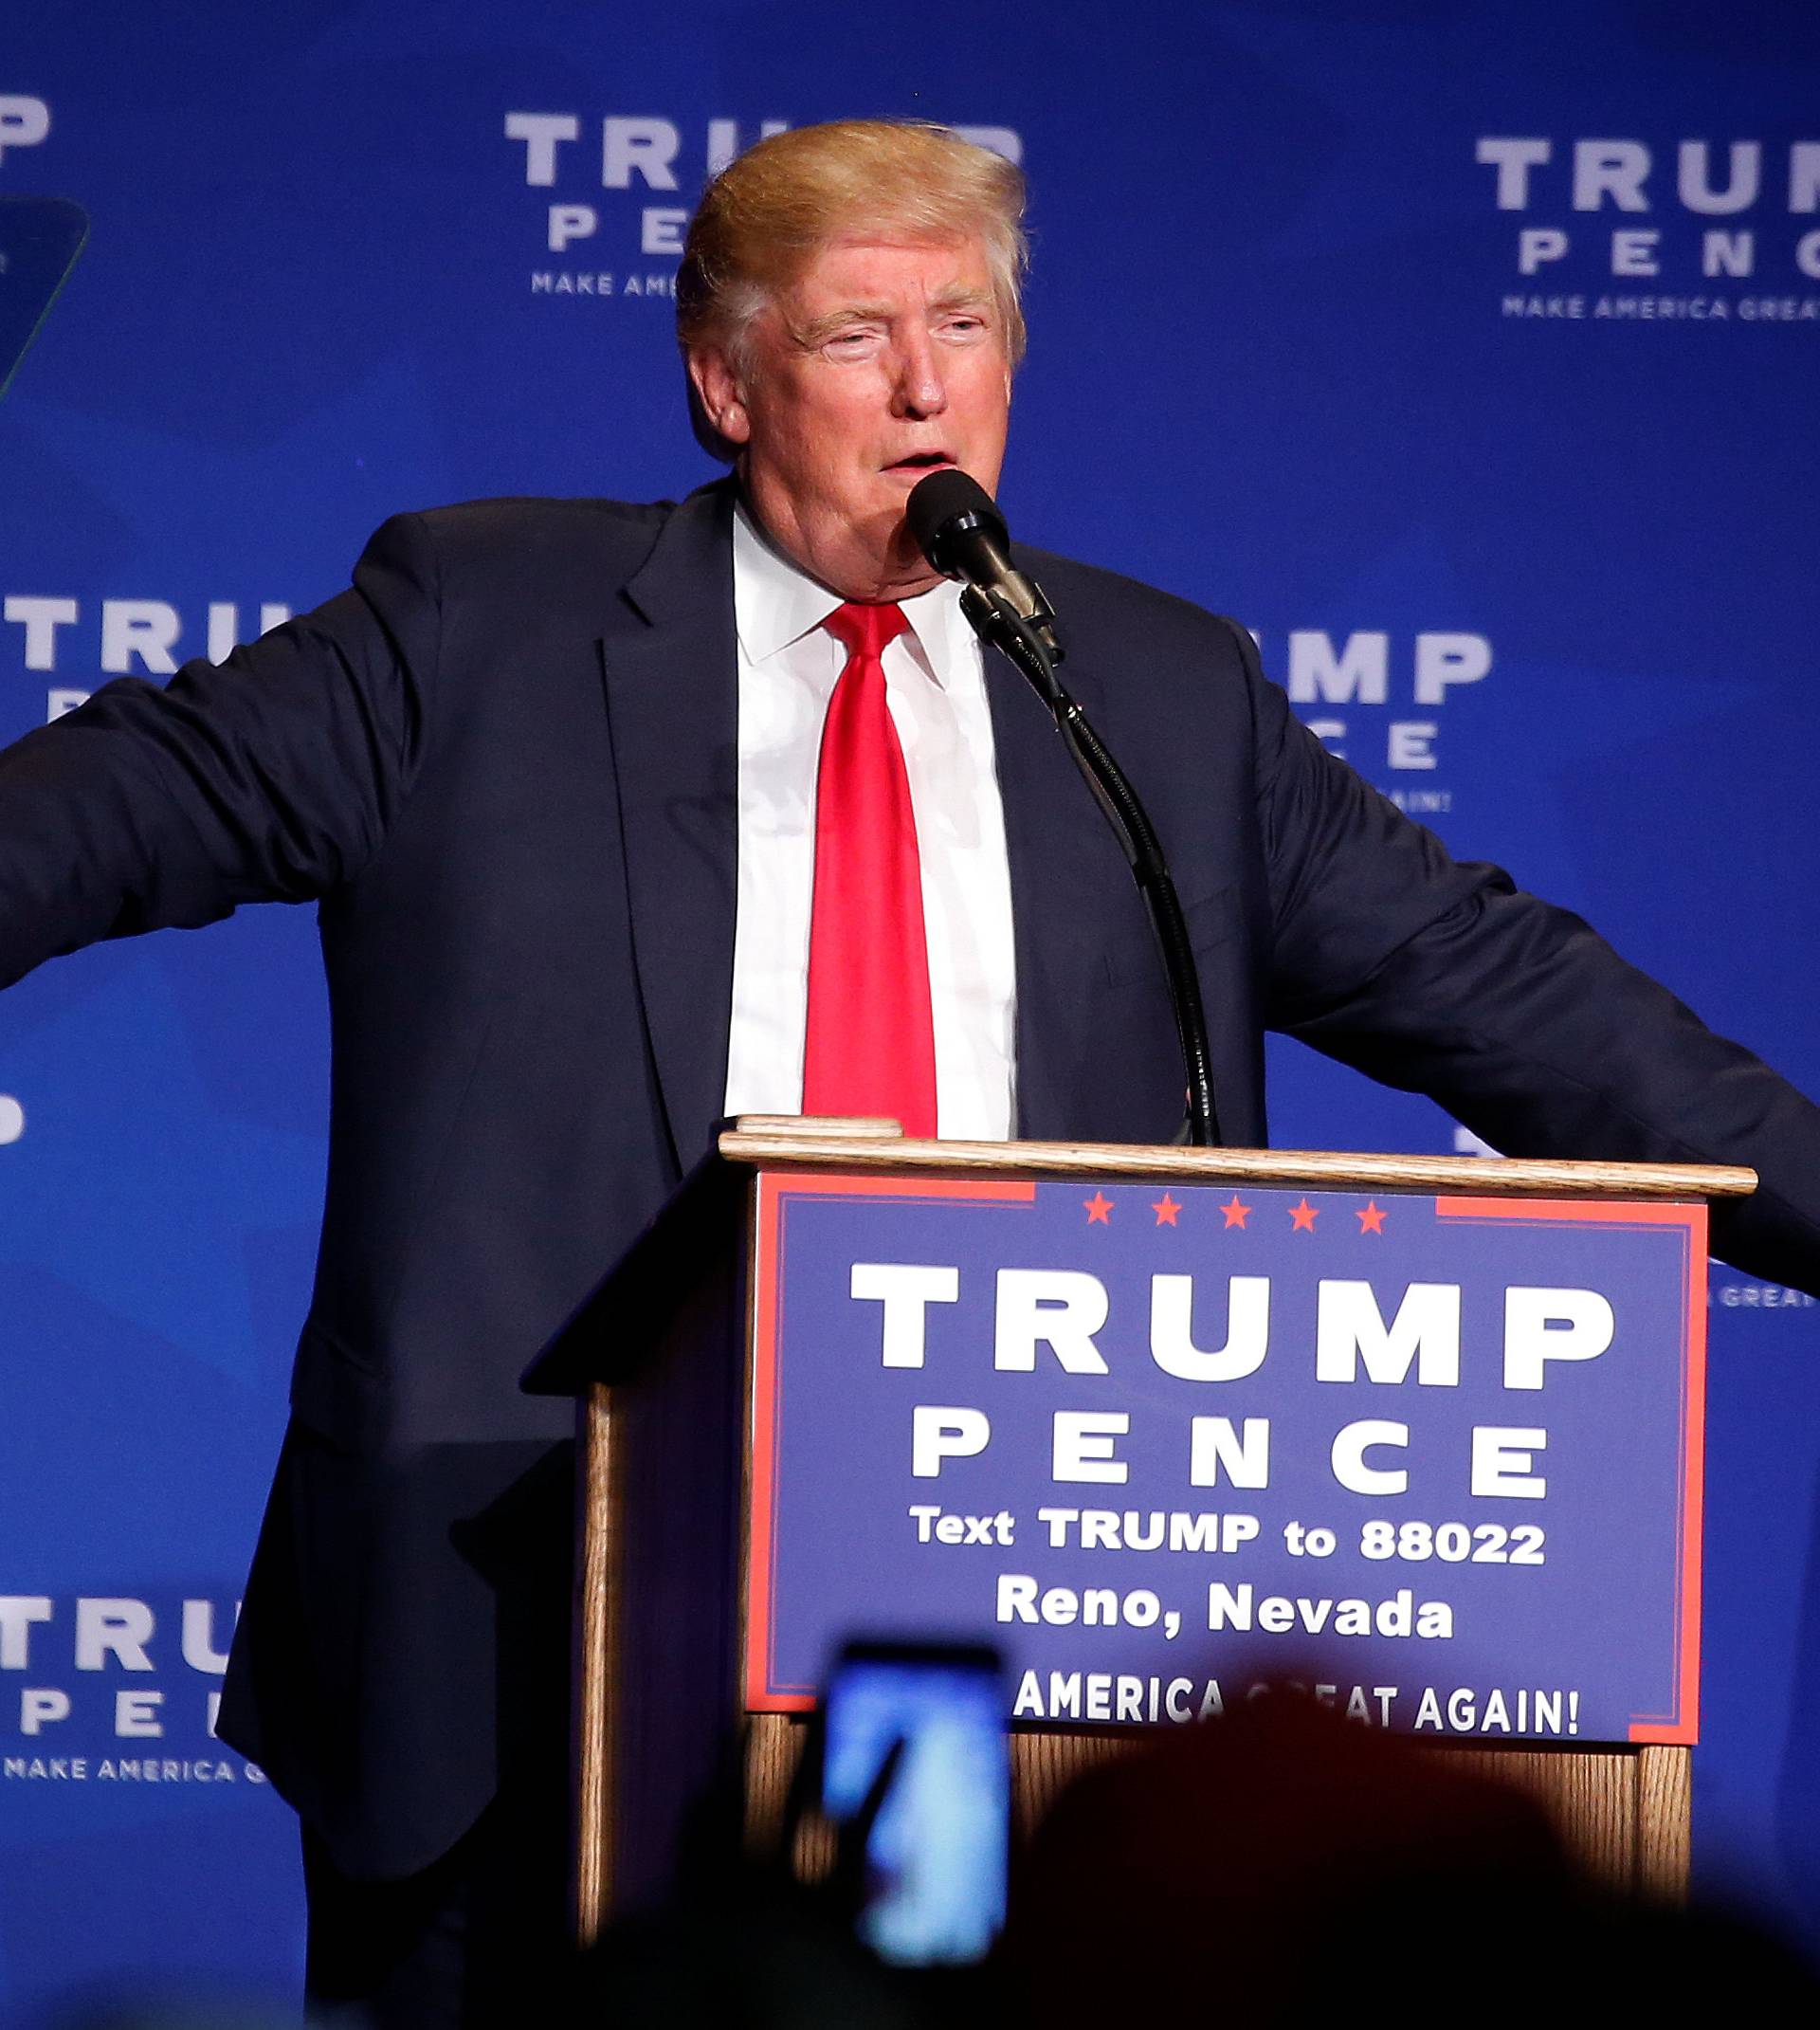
column 503, row 765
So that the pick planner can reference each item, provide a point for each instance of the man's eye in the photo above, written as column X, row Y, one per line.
column 850, row 344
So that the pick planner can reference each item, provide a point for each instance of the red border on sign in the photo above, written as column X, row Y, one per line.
column 1679, row 1727
column 775, row 1190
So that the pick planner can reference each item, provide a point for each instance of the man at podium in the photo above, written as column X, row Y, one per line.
column 623, row 817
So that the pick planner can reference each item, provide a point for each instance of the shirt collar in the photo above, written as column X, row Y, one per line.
column 775, row 603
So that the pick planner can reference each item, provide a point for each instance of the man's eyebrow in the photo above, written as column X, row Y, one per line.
column 958, row 296
column 822, row 328
column 962, row 296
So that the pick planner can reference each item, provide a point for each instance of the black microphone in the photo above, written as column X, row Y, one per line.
column 964, row 537
column 959, row 529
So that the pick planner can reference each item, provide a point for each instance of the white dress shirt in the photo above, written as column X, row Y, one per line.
column 936, row 690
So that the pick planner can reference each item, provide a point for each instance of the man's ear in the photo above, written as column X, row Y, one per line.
column 721, row 394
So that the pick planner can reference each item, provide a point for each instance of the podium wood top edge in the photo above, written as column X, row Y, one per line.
column 850, row 1146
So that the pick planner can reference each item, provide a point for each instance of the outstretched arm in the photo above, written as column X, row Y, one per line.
column 269, row 779
column 1441, row 977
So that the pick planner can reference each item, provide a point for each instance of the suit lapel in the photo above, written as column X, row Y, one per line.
column 672, row 700
column 1068, row 882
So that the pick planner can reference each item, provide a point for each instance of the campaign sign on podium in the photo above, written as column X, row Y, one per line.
column 1144, row 1438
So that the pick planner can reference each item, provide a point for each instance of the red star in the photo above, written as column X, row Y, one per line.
column 1303, row 1217
column 1370, row 1221
column 1236, row 1215
column 1164, row 1208
column 1098, row 1208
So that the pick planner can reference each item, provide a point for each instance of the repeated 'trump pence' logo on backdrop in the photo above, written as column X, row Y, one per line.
column 25, row 121
column 1620, row 228
column 622, row 191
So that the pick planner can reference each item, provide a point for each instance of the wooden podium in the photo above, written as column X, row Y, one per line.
column 660, row 1362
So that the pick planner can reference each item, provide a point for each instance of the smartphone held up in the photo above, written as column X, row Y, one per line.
column 937, row 1847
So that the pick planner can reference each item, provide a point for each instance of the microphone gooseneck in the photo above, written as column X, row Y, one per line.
column 960, row 531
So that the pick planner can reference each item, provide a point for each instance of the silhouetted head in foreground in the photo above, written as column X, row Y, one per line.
column 1281, row 1866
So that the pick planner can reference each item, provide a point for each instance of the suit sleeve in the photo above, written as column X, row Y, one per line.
column 1441, row 977
column 272, row 777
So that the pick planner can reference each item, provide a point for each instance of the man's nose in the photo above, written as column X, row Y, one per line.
column 919, row 389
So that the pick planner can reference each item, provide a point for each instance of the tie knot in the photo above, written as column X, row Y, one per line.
column 865, row 630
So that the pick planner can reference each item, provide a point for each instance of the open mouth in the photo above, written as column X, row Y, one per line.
column 920, row 461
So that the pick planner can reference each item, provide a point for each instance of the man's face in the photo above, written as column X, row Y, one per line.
column 882, row 362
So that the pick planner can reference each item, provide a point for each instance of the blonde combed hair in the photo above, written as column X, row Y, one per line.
column 767, row 215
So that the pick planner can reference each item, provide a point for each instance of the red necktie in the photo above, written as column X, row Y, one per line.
column 870, row 1046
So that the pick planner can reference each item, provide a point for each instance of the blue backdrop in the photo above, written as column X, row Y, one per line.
column 1466, row 352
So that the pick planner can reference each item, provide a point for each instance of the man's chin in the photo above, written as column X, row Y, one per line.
column 890, row 567
column 868, row 554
